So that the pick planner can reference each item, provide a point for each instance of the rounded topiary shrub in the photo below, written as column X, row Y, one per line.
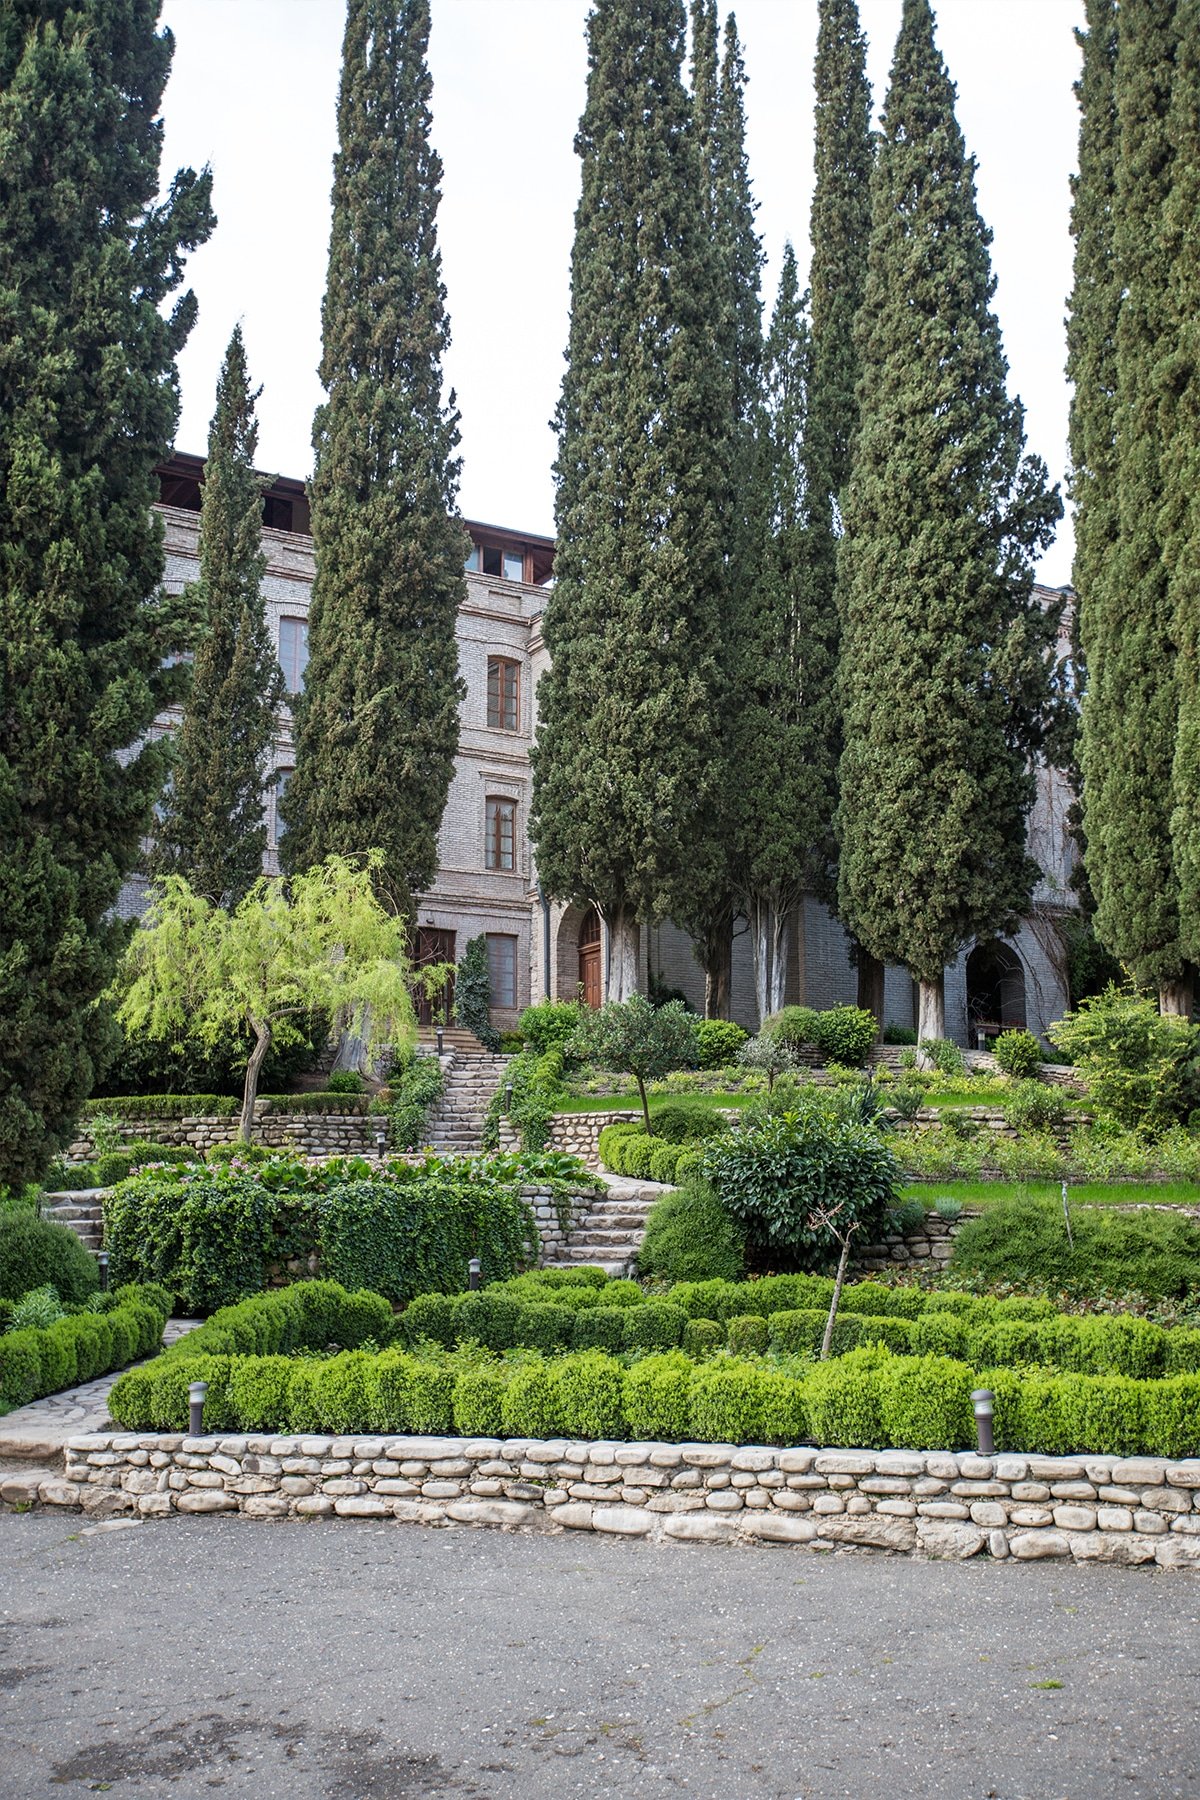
column 37, row 1253
column 845, row 1034
column 683, row 1124
column 719, row 1042
column 690, row 1237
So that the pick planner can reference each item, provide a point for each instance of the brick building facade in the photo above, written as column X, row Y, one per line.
column 487, row 878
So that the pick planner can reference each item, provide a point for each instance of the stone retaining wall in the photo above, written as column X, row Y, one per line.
column 1090, row 1508
column 932, row 1243
column 309, row 1133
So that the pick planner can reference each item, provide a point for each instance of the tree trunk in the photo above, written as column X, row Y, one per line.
column 931, row 1010
column 645, row 1103
column 779, row 957
column 1175, row 997
column 827, row 1340
column 624, row 973
column 760, row 946
column 870, row 984
column 262, row 1043
column 718, row 968
column 352, row 1048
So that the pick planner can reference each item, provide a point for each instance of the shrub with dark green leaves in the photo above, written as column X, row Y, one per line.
column 776, row 1178
column 599, row 1328
column 793, row 1025
column 925, row 1403
column 38, row 1253
column 550, row 1025
column 589, row 1390
column 654, row 1326
column 680, row 1123
column 414, row 1088
column 1032, row 1106
column 703, row 1337
column 690, row 1237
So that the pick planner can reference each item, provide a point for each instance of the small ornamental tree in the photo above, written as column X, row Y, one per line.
column 319, row 941
column 634, row 1038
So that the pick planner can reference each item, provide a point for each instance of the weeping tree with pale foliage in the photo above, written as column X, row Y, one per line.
column 319, row 941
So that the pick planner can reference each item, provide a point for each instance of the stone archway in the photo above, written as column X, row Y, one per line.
column 995, row 990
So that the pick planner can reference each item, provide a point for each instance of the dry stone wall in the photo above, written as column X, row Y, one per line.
column 308, row 1133
column 933, row 1503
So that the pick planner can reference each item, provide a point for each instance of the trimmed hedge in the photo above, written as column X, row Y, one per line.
column 162, row 1106
column 867, row 1399
column 78, row 1348
column 625, row 1149
column 690, row 1236
column 37, row 1252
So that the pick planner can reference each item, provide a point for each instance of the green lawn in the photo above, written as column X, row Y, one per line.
column 1084, row 1193
column 630, row 1102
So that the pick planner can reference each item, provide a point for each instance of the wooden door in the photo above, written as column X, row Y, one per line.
column 434, row 946
column 589, row 959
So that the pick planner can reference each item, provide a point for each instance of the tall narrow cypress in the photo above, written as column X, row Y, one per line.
column 718, row 886
column 213, row 830
column 1179, row 518
column 377, row 725
column 944, row 669
column 88, row 405
column 1126, row 628
column 622, row 779
column 839, row 230
column 786, row 665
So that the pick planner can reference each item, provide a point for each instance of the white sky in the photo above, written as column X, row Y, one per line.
column 253, row 93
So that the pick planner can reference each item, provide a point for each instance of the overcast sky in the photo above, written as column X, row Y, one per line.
column 253, row 93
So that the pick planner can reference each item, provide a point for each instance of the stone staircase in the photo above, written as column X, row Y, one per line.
column 472, row 1077
column 82, row 1212
column 609, row 1233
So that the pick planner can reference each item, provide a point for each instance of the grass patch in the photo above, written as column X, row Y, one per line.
column 1084, row 1193
column 574, row 1103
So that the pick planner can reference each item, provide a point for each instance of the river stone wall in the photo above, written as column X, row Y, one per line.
column 1089, row 1508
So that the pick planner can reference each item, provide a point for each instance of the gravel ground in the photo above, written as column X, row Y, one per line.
column 344, row 1661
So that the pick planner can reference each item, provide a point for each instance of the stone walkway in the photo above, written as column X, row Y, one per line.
column 45, row 1425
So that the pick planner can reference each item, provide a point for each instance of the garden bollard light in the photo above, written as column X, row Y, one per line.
column 474, row 1270
column 981, row 1400
column 508, row 1091
column 197, row 1395
column 440, row 1040
column 102, row 1262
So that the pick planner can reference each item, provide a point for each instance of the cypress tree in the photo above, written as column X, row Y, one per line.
column 786, row 721
column 213, row 831
column 88, row 405
column 377, row 725
column 622, row 780
column 1126, row 623
column 944, row 669
column 718, row 882
column 1179, row 522
column 839, row 229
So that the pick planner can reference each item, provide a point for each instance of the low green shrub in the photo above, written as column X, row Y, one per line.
column 162, row 1106
column 681, row 1123
column 345, row 1081
column 718, row 1042
column 702, row 1337
column 793, row 1025
column 1019, row 1054
column 908, row 1218
column 1020, row 1240
column 654, row 1326
column 944, row 1056
column 117, row 1165
column 690, row 1237
column 843, row 1401
column 550, row 1025
column 747, row 1335
column 37, row 1361
column 1032, row 1106
column 36, row 1310
column 845, row 1034
column 925, row 1402
column 414, row 1088
column 38, row 1253
column 600, row 1328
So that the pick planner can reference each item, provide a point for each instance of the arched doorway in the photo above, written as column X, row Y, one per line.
column 591, row 986
column 995, row 990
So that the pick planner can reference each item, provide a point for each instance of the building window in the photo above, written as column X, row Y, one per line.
column 490, row 559
column 502, row 968
column 503, row 693
column 282, row 777
column 501, row 826
column 293, row 653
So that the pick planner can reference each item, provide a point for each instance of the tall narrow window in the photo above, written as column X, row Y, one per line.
column 293, row 653
column 503, row 693
column 282, row 777
column 502, row 968
column 501, row 831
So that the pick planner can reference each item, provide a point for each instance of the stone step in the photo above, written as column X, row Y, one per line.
column 614, row 1269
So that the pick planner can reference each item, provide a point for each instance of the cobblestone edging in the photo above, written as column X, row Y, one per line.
column 932, row 1503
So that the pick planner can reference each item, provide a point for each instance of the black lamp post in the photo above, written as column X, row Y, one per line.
column 197, row 1395
column 981, row 1400
column 440, row 1040
column 474, row 1270
column 508, row 1093
column 102, row 1264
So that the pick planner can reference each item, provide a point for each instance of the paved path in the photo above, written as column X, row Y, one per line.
column 75, row 1410
column 353, row 1662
